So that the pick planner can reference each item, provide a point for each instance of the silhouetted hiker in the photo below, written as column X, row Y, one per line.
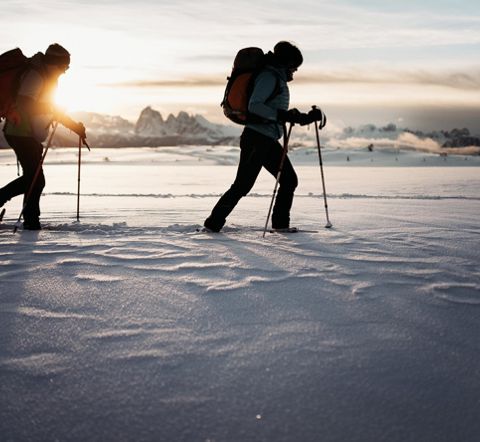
column 29, row 125
column 259, row 144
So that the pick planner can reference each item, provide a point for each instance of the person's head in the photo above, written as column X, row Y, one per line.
column 57, row 59
column 288, row 56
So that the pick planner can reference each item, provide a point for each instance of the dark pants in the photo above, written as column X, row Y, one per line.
column 257, row 150
column 29, row 154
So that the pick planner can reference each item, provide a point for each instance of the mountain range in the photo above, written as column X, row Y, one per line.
column 150, row 130
column 153, row 130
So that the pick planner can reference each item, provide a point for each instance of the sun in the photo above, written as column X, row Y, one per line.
column 74, row 93
column 85, row 90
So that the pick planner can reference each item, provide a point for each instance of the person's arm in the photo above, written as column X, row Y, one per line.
column 265, row 84
column 66, row 121
column 27, row 102
column 28, row 94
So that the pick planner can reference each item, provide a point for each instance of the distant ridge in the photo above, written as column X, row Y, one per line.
column 153, row 130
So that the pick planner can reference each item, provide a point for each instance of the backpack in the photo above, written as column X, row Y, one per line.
column 248, row 63
column 13, row 64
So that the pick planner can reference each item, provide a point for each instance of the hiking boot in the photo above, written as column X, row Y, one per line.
column 280, row 224
column 210, row 226
column 32, row 225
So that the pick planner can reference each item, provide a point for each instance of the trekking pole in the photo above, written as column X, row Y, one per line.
column 286, row 137
column 78, row 181
column 80, row 141
column 35, row 177
column 329, row 224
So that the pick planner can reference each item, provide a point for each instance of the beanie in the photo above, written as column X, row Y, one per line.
column 287, row 54
column 56, row 54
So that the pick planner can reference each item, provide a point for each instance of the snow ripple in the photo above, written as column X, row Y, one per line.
column 456, row 293
column 35, row 312
column 36, row 364
column 99, row 277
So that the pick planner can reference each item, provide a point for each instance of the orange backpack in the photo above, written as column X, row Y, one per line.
column 248, row 63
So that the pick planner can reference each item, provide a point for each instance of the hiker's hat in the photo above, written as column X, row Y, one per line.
column 57, row 55
column 287, row 54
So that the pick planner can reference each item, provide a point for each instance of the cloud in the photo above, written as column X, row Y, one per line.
column 454, row 80
column 186, row 82
column 458, row 80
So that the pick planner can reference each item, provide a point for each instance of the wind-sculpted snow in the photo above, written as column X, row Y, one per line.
column 466, row 293
column 131, row 325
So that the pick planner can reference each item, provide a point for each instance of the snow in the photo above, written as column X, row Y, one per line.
column 129, row 325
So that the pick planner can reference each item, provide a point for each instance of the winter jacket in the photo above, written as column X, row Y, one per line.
column 270, row 93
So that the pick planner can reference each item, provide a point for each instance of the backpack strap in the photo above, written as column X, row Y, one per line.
column 277, row 88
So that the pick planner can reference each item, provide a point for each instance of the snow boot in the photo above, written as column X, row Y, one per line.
column 32, row 225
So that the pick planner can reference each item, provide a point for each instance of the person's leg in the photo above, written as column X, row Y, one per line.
column 288, row 183
column 29, row 154
column 17, row 186
column 248, row 169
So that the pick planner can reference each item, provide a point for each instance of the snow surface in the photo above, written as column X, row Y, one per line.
column 129, row 326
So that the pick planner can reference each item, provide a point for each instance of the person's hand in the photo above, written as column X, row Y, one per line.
column 316, row 114
column 80, row 130
column 292, row 116
column 297, row 117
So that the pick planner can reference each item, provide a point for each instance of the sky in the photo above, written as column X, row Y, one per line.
column 413, row 63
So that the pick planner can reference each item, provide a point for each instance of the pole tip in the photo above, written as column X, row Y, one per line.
column 328, row 225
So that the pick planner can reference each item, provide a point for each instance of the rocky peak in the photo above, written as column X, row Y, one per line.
column 183, row 117
column 149, row 122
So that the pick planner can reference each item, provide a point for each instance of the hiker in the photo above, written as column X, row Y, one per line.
column 259, row 144
column 27, row 126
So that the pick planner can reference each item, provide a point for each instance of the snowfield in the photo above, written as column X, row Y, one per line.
column 131, row 326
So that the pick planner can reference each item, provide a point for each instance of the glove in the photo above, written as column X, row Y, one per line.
column 295, row 116
column 80, row 130
column 292, row 116
column 316, row 114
